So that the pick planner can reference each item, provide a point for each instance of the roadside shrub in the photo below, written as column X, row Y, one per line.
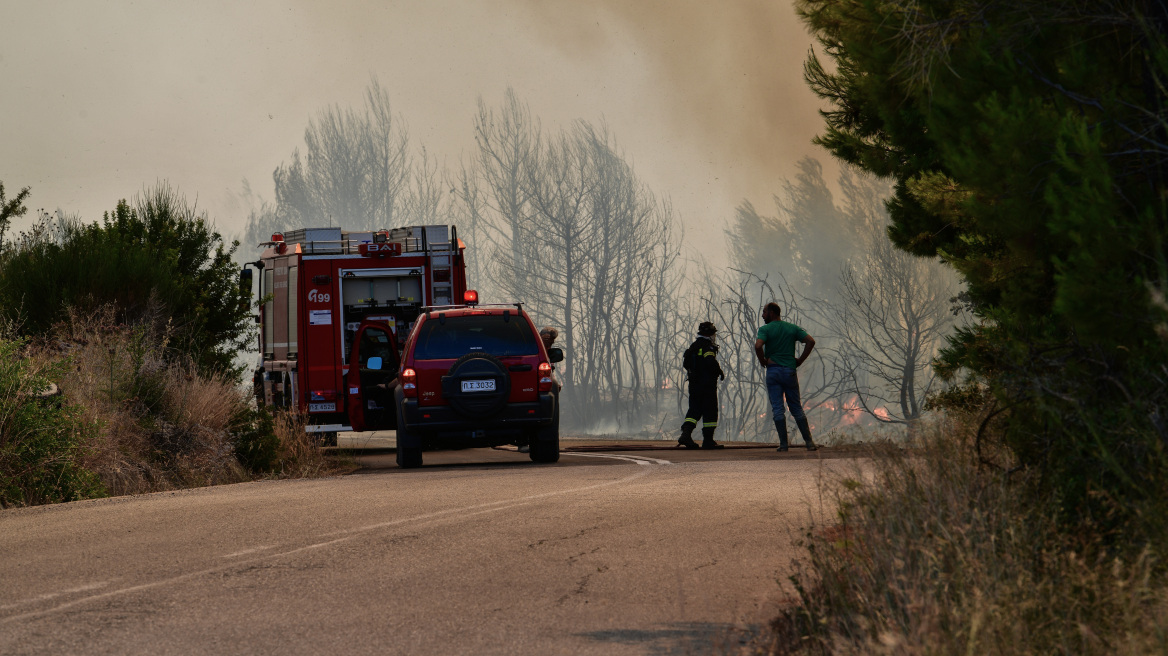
column 300, row 454
column 256, row 444
column 939, row 550
column 162, row 423
column 158, row 259
column 42, row 438
column 132, row 415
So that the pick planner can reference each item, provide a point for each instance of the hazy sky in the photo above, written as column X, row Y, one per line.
column 98, row 99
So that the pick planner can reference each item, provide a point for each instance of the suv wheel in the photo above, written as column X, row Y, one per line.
column 545, row 450
column 257, row 387
column 545, row 442
column 477, row 366
column 407, row 457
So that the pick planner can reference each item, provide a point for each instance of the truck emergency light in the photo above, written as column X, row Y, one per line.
column 470, row 297
column 278, row 236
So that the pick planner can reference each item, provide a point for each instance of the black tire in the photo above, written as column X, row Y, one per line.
column 286, row 392
column 477, row 366
column 407, row 457
column 545, row 442
column 544, row 451
column 257, row 387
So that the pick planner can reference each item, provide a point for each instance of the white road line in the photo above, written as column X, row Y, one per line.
column 637, row 459
column 245, row 552
column 348, row 534
column 52, row 595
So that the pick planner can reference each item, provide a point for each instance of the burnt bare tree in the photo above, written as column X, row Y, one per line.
column 551, row 253
column 496, row 187
column 668, row 278
column 574, row 233
column 355, row 169
column 467, row 212
column 425, row 200
column 892, row 319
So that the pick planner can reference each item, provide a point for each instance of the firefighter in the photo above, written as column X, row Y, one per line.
column 701, row 366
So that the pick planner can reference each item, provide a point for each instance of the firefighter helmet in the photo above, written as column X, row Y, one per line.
column 706, row 328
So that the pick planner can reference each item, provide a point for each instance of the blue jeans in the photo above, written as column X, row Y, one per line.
column 782, row 381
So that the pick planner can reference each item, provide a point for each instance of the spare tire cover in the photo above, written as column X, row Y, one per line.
column 477, row 366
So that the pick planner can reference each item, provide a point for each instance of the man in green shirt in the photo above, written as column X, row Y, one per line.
column 775, row 348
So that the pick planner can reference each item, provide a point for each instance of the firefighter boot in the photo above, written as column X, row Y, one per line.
column 805, row 430
column 708, row 439
column 781, row 426
column 686, row 438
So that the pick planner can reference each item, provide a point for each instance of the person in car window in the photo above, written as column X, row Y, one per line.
column 548, row 335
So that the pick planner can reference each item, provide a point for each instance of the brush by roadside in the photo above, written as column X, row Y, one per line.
column 937, row 549
column 131, row 416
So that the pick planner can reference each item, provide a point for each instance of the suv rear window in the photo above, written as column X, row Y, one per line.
column 456, row 336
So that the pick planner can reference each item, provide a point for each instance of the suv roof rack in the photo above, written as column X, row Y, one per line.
column 428, row 308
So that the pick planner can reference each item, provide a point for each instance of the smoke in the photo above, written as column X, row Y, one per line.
column 731, row 75
column 706, row 98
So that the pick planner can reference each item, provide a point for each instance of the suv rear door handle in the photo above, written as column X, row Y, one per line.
column 519, row 367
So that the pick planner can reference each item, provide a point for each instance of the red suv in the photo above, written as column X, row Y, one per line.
column 476, row 376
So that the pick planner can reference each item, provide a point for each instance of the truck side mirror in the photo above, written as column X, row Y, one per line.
column 245, row 289
column 555, row 354
column 373, row 363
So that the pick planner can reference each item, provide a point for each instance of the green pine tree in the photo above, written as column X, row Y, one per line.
column 1027, row 144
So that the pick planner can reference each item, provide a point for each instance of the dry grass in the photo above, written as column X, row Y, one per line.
column 161, row 425
column 300, row 456
column 133, row 417
column 935, row 552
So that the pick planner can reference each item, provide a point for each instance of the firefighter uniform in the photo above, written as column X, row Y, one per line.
column 701, row 360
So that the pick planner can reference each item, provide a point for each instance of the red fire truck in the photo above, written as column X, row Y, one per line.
column 321, row 287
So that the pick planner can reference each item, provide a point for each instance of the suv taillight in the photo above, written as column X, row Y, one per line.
column 409, row 382
column 545, row 377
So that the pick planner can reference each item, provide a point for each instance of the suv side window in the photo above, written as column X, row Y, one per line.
column 454, row 337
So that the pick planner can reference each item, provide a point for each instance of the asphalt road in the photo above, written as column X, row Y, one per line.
column 479, row 552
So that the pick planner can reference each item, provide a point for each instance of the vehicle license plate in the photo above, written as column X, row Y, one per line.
column 322, row 407
column 478, row 385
